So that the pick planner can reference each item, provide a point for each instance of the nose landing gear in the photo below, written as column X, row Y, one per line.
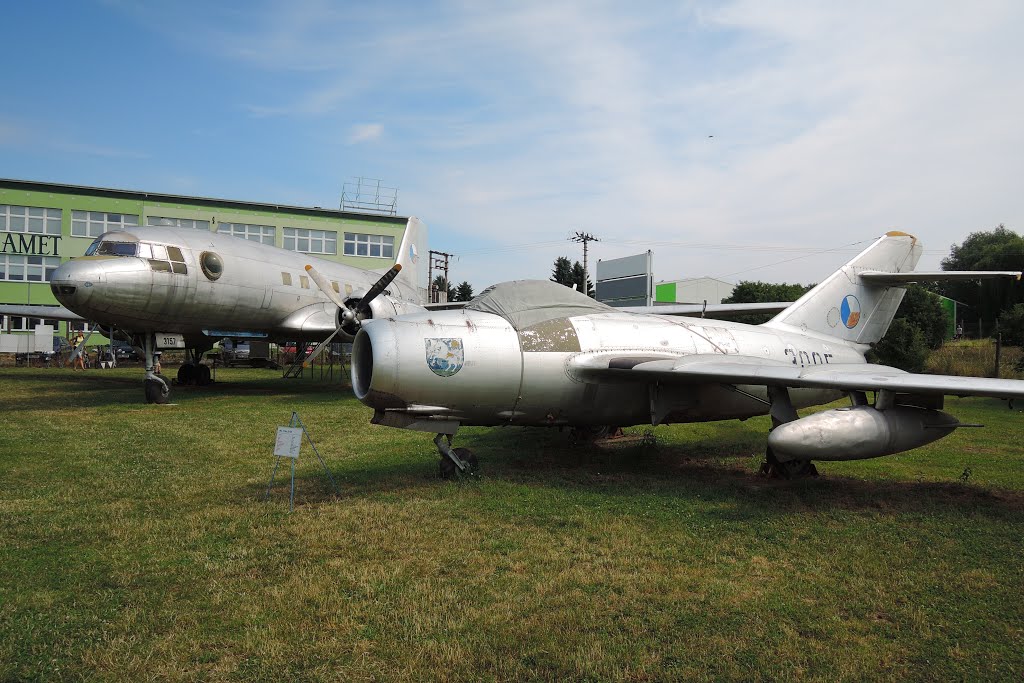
column 157, row 388
column 454, row 461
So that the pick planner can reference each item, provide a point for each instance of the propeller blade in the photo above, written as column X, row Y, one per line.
column 364, row 304
column 325, row 286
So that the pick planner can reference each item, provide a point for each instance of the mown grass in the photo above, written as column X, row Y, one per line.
column 134, row 544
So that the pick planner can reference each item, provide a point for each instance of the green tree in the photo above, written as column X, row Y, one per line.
column 923, row 310
column 570, row 274
column 1011, row 325
column 903, row 346
column 578, row 277
column 751, row 292
column 562, row 272
column 464, row 292
column 998, row 249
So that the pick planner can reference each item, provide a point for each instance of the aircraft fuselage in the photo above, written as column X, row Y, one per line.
column 164, row 286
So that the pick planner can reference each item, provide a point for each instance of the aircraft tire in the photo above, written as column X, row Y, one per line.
column 203, row 375
column 469, row 457
column 156, row 392
column 448, row 469
column 187, row 374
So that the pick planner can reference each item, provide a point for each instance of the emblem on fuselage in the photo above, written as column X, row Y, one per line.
column 413, row 255
column 445, row 355
column 850, row 311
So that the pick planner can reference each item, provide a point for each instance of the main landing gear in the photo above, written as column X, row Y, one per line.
column 192, row 371
column 782, row 411
column 454, row 461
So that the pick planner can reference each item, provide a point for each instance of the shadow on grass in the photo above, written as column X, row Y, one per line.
column 634, row 475
column 64, row 387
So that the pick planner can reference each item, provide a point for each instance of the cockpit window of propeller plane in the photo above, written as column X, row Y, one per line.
column 163, row 258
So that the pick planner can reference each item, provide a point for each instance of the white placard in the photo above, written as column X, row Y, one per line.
column 169, row 340
column 288, row 443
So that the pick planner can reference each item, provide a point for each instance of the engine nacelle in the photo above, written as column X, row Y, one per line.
column 858, row 433
column 382, row 306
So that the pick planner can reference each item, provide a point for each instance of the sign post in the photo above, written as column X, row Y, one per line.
column 287, row 445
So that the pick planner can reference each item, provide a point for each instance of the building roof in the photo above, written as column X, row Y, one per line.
column 37, row 186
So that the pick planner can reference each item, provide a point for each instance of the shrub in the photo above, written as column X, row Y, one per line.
column 903, row 346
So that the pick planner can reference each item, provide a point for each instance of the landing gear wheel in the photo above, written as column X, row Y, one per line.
column 449, row 470
column 203, row 375
column 157, row 391
column 446, row 468
column 187, row 374
column 791, row 469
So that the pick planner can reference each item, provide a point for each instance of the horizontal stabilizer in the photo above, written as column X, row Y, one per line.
column 880, row 278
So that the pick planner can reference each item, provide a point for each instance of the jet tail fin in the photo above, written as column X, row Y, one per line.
column 858, row 301
column 412, row 256
column 852, row 308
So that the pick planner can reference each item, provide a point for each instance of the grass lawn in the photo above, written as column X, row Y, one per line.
column 134, row 545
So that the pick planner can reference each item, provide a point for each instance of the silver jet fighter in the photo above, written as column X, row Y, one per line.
column 182, row 288
column 537, row 353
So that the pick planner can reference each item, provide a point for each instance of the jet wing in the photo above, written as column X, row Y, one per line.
column 702, row 369
column 710, row 309
column 47, row 312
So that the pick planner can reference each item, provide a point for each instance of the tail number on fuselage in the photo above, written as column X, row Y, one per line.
column 805, row 358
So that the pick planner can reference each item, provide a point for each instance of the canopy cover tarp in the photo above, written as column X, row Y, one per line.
column 526, row 303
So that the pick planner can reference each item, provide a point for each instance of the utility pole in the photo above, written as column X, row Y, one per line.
column 584, row 237
column 440, row 260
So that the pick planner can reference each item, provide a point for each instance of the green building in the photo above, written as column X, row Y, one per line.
column 45, row 224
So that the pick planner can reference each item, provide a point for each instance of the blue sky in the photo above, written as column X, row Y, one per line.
column 747, row 139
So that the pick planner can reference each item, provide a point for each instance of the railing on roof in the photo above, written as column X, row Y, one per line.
column 368, row 195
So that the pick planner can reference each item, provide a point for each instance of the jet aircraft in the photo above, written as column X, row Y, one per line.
column 182, row 288
column 536, row 353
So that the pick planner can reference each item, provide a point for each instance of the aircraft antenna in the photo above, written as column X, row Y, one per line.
column 584, row 237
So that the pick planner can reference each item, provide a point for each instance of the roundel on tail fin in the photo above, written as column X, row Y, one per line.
column 850, row 311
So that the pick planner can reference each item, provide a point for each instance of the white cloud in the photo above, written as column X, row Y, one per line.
column 514, row 124
column 365, row 132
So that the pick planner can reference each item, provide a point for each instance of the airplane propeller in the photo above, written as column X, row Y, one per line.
column 362, row 308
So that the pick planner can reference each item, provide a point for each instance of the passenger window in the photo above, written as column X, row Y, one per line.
column 286, row 279
column 304, row 281
column 211, row 264
column 334, row 284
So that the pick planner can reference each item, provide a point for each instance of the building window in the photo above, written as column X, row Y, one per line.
column 95, row 223
column 311, row 241
column 19, row 324
column 18, row 268
column 357, row 244
column 264, row 234
column 160, row 221
column 30, row 219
